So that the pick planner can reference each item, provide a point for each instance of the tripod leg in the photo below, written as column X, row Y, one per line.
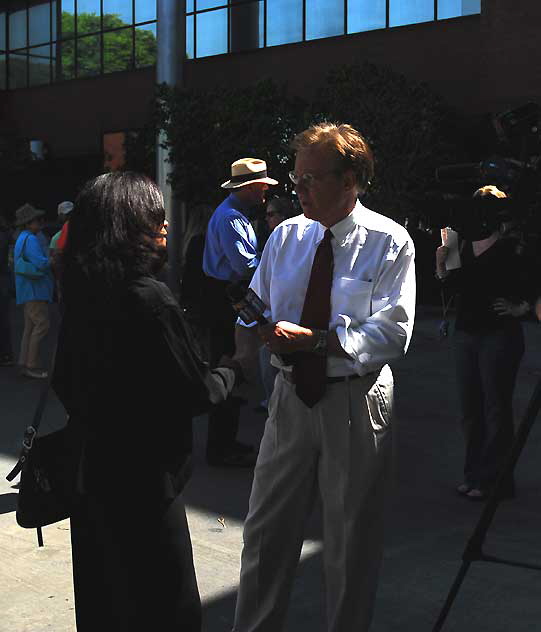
column 474, row 548
column 40, row 536
column 451, row 596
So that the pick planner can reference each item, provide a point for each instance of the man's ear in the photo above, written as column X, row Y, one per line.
column 350, row 180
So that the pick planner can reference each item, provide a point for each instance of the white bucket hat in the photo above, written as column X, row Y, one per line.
column 248, row 170
column 64, row 208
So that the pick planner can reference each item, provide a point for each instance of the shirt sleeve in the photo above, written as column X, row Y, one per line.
column 238, row 247
column 33, row 252
column 204, row 386
column 63, row 239
column 260, row 283
column 385, row 335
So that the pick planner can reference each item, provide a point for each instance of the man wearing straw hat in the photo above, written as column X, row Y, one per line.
column 231, row 255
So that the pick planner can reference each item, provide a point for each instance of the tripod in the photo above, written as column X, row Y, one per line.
column 474, row 549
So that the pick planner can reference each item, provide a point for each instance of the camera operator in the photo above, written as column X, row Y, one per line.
column 493, row 293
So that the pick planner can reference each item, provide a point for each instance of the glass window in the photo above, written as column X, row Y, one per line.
column 117, row 50
column 455, row 8
column 366, row 15
column 3, row 31
column 200, row 5
column 65, row 64
column 17, row 70
column 3, row 76
column 146, row 45
column 324, row 18
column 53, row 20
column 17, row 29
column 145, row 10
column 120, row 9
column 66, row 20
column 245, row 21
column 211, row 36
column 410, row 12
column 284, row 21
column 39, row 65
column 88, row 56
column 39, row 19
column 190, row 53
column 88, row 16
column 189, row 6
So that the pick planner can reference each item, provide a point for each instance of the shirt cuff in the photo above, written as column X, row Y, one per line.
column 351, row 343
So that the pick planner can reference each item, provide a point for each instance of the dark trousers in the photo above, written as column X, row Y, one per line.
column 223, row 418
column 133, row 566
column 486, row 367
column 5, row 322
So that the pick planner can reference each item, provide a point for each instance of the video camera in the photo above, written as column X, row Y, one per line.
column 519, row 133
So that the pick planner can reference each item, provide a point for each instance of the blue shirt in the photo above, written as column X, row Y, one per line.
column 231, row 245
column 36, row 252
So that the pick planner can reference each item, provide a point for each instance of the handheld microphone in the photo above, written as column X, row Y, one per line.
column 251, row 308
column 247, row 304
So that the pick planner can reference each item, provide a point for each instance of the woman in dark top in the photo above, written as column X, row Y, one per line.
column 493, row 293
column 130, row 381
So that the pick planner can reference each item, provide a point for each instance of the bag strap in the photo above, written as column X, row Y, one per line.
column 24, row 248
column 32, row 430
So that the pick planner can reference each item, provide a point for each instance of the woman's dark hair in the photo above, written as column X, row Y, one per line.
column 112, row 231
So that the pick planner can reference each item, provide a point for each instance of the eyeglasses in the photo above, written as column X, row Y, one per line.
column 307, row 180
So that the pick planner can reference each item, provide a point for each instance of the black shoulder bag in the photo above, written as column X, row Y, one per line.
column 49, row 467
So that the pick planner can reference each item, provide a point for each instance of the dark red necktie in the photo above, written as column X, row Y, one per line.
column 310, row 369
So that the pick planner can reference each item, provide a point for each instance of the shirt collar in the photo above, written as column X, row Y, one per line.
column 237, row 203
column 342, row 230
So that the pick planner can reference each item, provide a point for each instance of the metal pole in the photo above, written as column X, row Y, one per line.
column 170, row 65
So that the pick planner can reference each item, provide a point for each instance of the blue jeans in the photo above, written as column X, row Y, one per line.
column 486, row 367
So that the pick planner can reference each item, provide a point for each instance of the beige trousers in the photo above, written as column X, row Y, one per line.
column 342, row 447
column 36, row 326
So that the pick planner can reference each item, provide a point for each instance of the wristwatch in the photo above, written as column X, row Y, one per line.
column 320, row 346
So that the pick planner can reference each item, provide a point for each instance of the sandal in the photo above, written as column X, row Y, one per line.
column 477, row 494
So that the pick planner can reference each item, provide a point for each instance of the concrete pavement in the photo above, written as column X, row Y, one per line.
column 427, row 530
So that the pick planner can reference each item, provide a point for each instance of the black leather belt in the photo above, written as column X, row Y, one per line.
column 288, row 375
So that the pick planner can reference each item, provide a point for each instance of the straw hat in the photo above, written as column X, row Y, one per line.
column 65, row 207
column 26, row 213
column 248, row 170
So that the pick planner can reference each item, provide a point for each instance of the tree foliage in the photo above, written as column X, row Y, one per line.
column 117, row 46
column 407, row 124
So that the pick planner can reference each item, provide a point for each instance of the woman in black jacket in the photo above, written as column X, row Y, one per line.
column 131, row 381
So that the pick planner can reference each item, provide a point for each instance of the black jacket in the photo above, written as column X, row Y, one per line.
column 131, row 380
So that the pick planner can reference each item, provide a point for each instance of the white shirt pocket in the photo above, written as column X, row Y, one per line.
column 353, row 298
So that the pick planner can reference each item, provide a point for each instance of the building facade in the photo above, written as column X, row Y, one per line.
column 73, row 72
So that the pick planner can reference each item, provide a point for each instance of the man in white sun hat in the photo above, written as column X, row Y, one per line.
column 231, row 255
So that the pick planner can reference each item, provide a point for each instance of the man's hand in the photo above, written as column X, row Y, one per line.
column 284, row 337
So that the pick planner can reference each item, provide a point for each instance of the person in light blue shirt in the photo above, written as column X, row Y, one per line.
column 231, row 255
column 34, row 294
column 231, row 244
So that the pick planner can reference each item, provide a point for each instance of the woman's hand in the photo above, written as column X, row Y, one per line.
column 503, row 307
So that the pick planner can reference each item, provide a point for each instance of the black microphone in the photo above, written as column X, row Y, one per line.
column 247, row 304
column 251, row 308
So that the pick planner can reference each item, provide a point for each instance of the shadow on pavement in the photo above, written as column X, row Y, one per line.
column 8, row 503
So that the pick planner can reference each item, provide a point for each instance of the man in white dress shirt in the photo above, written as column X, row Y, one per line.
column 339, row 285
